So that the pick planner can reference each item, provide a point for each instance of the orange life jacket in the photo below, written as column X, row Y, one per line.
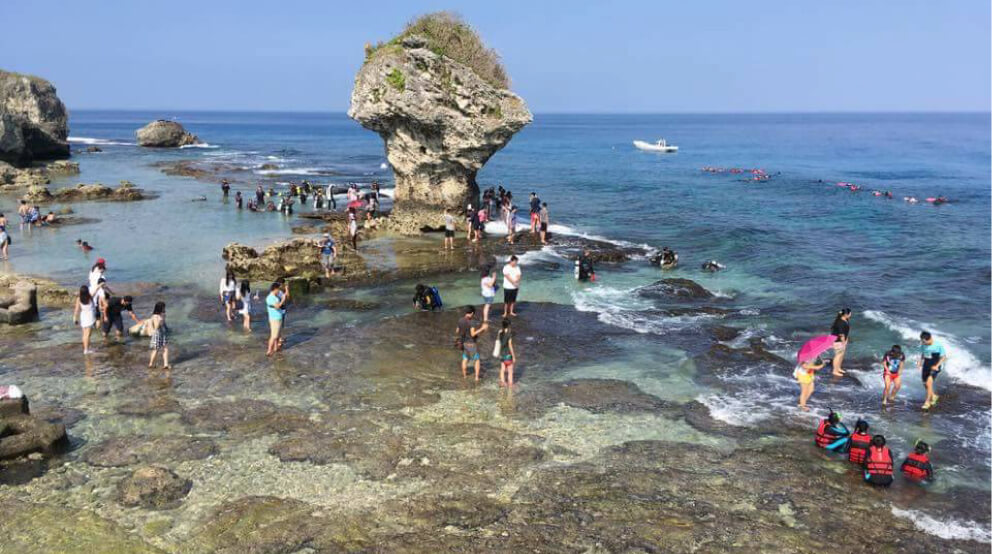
column 917, row 467
column 824, row 436
column 879, row 461
column 859, row 447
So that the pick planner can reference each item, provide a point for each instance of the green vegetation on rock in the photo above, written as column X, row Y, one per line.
column 448, row 35
column 396, row 80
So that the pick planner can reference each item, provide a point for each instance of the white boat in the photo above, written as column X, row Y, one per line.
column 659, row 146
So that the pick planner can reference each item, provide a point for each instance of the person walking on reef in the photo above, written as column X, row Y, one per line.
column 353, row 227
column 449, row 230
column 932, row 359
column 842, row 330
column 511, row 286
column 328, row 252
column 467, row 333
column 275, row 303
column 545, row 218
column 535, row 212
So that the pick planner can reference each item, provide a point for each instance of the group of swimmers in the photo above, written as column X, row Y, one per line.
column 935, row 200
column 750, row 174
column 871, row 453
column 30, row 216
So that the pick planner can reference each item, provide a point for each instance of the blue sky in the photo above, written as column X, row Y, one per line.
column 577, row 56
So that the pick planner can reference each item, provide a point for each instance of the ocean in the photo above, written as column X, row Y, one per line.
column 797, row 247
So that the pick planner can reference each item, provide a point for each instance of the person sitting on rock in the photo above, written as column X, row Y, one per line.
column 916, row 467
column 878, row 463
column 832, row 434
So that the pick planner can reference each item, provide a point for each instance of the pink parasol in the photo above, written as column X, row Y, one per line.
column 815, row 346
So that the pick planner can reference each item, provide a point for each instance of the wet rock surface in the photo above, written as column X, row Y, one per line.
column 683, row 289
column 153, row 487
column 595, row 395
column 297, row 257
column 22, row 306
column 142, row 449
column 26, row 435
column 125, row 192
column 245, row 417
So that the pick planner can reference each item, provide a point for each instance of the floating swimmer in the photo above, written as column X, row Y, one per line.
column 713, row 266
column 910, row 199
column 667, row 259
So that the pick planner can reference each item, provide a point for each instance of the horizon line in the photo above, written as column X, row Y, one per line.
column 565, row 112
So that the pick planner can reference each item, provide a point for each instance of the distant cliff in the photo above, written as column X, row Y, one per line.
column 439, row 99
column 34, row 124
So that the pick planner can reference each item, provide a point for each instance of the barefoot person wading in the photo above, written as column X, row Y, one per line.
column 466, row 333
column 511, row 286
column 932, row 358
column 841, row 329
column 275, row 303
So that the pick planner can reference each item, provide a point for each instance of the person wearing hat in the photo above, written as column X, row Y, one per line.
column 328, row 252
column 96, row 273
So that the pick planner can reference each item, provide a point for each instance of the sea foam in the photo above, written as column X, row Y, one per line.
column 98, row 141
column 949, row 529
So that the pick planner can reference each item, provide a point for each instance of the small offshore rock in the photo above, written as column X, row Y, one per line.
column 164, row 134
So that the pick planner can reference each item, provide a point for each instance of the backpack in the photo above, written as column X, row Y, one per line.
column 435, row 297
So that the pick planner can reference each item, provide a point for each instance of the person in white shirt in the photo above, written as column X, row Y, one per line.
column 511, row 286
column 488, row 286
column 227, row 291
column 96, row 273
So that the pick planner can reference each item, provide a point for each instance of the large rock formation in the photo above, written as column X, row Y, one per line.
column 22, row 307
column 126, row 192
column 34, row 124
column 164, row 134
column 440, row 120
column 293, row 258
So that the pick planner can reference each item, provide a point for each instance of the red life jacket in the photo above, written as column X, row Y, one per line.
column 859, row 447
column 879, row 461
column 823, row 434
column 916, row 467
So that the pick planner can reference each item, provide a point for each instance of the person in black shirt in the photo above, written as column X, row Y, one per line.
column 467, row 333
column 535, row 212
column 111, row 314
column 584, row 269
column 842, row 330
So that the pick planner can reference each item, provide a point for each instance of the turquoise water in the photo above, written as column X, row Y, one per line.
column 797, row 246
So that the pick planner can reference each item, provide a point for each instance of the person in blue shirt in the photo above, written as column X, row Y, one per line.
column 275, row 303
column 932, row 358
column 328, row 252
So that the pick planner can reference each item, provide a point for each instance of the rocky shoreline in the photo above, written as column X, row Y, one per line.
column 387, row 449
